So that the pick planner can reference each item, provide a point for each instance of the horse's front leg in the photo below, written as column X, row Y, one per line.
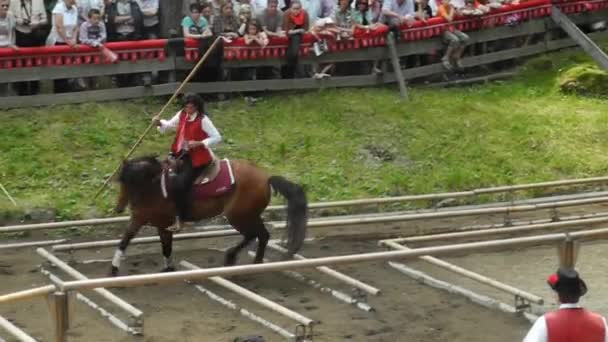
column 123, row 200
column 128, row 235
column 166, row 239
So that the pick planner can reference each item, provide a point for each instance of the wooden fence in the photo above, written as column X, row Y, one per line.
column 537, row 36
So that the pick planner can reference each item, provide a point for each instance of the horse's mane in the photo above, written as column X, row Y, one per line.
column 140, row 175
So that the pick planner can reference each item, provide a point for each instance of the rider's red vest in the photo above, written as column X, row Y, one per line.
column 192, row 131
column 575, row 325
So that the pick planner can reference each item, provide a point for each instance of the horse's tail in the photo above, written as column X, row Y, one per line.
column 297, row 211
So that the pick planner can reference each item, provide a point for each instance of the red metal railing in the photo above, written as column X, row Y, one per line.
column 136, row 51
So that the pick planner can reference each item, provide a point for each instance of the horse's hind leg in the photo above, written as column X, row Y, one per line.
column 234, row 251
column 166, row 239
column 134, row 227
column 263, row 237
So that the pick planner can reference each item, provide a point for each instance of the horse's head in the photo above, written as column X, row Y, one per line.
column 140, row 172
column 139, row 179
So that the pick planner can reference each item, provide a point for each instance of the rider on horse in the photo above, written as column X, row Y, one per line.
column 195, row 135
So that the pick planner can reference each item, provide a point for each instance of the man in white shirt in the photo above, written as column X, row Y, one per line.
column 571, row 322
column 398, row 12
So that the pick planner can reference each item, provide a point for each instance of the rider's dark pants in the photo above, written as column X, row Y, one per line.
column 182, row 186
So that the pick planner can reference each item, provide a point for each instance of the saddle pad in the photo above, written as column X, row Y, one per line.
column 209, row 173
column 218, row 186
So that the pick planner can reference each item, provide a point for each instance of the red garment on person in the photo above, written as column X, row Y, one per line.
column 575, row 325
column 192, row 131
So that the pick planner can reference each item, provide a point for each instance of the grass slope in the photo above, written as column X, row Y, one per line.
column 338, row 143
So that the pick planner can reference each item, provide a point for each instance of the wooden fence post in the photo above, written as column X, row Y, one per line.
column 58, row 306
column 396, row 65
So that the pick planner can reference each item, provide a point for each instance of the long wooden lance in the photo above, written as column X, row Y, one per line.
column 8, row 195
column 157, row 116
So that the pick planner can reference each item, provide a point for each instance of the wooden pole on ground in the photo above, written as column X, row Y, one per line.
column 332, row 273
column 15, row 331
column 130, row 309
column 103, row 312
column 324, row 289
column 263, row 301
column 480, row 299
column 246, row 313
column 472, row 275
column 157, row 116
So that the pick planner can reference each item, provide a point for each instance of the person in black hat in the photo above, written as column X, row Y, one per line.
column 571, row 322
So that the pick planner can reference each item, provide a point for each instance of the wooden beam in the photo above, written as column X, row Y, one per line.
column 31, row 244
column 84, row 70
column 130, row 309
column 474, row 297
column 246, row 313
column 579, row 37
column 60, row 315
column 333, row 273
column 578, row 224
column 256, row 298
column 472, row 275
column 390, row 42
column 323, row 289
column 164, row 278
column 12, row 329
column 115, row 321
column 144, row 240
column 159, row 278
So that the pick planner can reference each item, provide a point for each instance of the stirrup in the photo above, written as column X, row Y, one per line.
column 179, row 225
column 175, row 227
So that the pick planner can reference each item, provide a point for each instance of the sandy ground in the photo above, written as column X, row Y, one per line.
column 405, row 311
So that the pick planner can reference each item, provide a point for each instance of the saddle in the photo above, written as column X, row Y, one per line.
column 209, row 173
column 216, row 179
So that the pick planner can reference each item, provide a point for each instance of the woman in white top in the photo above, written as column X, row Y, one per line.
column 64, row 32
column 65, row 24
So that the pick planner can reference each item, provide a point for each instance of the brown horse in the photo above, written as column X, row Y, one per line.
column 140, row 188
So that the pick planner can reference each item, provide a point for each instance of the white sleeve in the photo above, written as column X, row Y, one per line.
column 212, row 132
column 170, row 124
column 538, row 332
column 605, row 330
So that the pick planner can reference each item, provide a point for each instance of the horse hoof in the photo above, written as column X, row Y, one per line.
column 168, row 269
column 256, row 261
column 114, row 271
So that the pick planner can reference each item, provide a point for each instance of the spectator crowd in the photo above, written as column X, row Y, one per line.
column 27, row 23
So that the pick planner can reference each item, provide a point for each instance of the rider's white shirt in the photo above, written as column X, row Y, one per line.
column 208, row 127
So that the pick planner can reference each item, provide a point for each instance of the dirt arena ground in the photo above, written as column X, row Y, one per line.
column 405, row 311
